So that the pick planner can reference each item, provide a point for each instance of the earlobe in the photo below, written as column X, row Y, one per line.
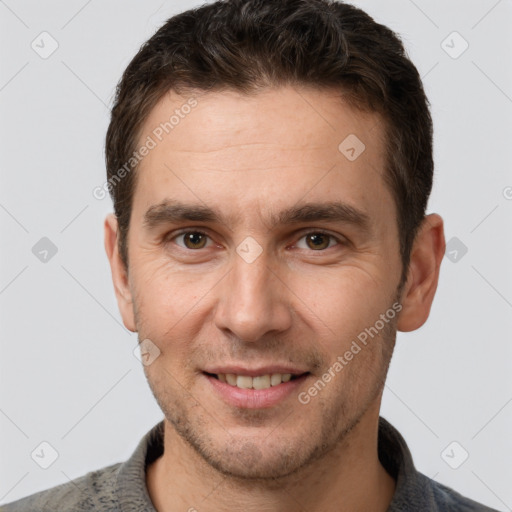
column 119, row 273
column 423, row 274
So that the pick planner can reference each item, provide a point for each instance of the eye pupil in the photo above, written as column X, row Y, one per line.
column 194, row 240
column 319, row 240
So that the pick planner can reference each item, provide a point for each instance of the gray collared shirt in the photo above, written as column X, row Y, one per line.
column 122, row 487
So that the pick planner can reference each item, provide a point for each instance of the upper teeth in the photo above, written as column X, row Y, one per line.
column 260, row 382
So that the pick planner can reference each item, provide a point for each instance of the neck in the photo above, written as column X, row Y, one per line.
column 349, row 478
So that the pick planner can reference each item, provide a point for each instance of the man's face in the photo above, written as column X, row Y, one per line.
column 272, row 286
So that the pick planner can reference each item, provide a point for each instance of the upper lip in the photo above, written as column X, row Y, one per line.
column 255, row 372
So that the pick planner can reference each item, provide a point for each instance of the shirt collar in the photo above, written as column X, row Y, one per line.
column 132, row 492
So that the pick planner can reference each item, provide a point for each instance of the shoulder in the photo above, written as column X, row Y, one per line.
column 414, row 490
column 448, row 500
column 94, row 491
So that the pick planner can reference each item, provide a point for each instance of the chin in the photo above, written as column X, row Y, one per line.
column 247, row 460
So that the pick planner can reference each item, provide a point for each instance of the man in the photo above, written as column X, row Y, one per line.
column 270, row 164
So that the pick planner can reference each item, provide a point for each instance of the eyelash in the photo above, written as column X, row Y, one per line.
column 304, row 234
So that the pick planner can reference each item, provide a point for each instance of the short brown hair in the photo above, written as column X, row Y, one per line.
column 248, row 45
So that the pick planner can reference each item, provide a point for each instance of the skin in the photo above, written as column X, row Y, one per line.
column 251, row 157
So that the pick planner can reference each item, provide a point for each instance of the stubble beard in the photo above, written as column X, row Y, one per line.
column 278, row 457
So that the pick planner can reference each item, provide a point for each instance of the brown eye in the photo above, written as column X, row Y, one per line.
column 318, row 241
column 194, row 239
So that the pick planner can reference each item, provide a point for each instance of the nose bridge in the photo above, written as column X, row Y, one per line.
column 252, row 279
column 253, row 300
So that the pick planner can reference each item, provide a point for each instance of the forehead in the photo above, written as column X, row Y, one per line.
column 202, row 121
column 261, row 150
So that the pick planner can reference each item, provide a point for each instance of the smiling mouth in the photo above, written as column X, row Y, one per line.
column 258, row 382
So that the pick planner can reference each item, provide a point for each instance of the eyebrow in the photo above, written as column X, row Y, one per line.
column 173, row 211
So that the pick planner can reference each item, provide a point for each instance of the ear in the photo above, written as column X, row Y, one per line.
column 423, row 274
column 119, row 273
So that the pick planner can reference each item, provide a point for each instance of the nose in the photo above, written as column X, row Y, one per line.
column 253, row 301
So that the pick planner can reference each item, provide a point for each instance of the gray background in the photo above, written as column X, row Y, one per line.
column 68, row 373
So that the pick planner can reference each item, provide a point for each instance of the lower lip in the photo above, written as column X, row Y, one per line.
column 255, row 398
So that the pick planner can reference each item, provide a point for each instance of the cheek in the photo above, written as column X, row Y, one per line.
column 169, row 300
column 342, row 301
